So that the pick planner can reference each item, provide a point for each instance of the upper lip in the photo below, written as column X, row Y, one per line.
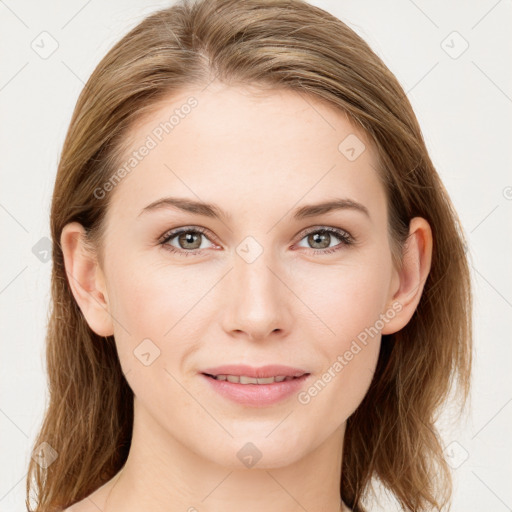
column 272, row 370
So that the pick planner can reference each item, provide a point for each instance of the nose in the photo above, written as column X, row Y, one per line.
column 259, row 301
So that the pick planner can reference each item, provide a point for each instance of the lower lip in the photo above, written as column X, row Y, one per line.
column 257, row 395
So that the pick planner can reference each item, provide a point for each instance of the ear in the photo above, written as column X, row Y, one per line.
column 86, row 279
column 408, row 282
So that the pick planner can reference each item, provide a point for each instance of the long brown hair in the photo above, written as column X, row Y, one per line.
column 391, row 438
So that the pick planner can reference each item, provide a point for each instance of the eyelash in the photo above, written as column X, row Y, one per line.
column 344, row 236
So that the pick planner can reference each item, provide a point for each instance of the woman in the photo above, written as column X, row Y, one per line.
column 260, row 290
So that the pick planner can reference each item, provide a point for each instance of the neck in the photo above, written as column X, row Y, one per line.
column 162, row 474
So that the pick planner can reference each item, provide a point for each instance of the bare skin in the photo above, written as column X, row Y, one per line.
column 259, row 158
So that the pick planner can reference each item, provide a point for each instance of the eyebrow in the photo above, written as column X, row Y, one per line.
column 213, row 211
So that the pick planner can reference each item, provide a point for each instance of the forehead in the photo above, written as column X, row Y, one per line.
column 246, row 147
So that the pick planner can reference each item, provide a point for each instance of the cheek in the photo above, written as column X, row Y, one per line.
column 153, row 328
column 151, row 296
column 347, row 298
column 156, row 302
column 350, row 307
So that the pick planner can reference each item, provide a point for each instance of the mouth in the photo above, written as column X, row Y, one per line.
column 263, row 391
column 244, row 379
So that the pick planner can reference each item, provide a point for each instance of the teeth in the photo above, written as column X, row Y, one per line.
column 250, row 380
column 243, row 379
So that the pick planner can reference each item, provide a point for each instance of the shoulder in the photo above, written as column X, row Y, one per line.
column 88, row 504
column 78, row 507
column 94, row 502
column 82, row 506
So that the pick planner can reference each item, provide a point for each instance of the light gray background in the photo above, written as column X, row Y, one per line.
column 463, row 103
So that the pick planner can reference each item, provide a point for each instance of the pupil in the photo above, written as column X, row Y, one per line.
column 317, row 238
column 189, row 238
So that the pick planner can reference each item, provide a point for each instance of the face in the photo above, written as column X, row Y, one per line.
column 257, row 285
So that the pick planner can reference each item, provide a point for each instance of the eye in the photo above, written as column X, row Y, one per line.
column 189, row 243
column 321, row 238
column 188, row 240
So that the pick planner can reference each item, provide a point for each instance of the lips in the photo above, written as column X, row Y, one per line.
column 261, row 372
column 244, row 379
column 261, row 394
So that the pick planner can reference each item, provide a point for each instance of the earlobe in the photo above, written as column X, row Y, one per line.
column 417, row 258
column 85, row 279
